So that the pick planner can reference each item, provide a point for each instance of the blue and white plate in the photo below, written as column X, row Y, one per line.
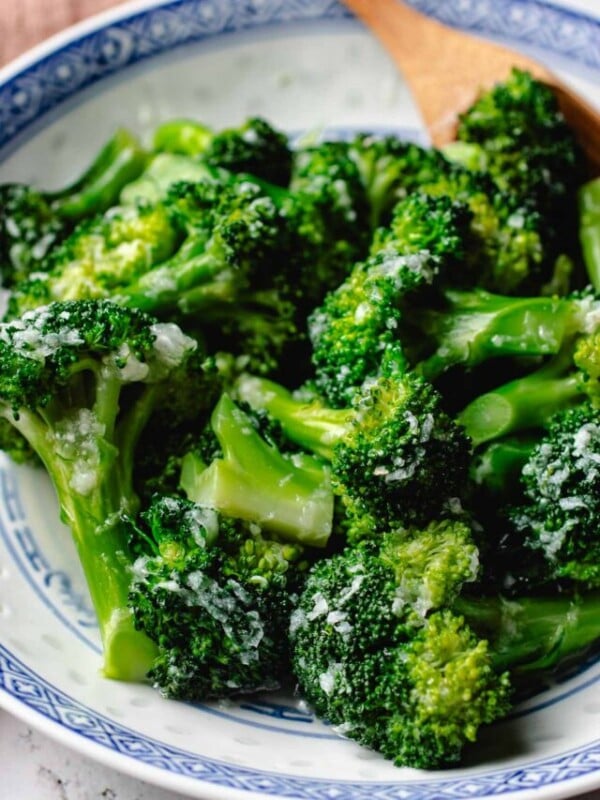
column 307, row 66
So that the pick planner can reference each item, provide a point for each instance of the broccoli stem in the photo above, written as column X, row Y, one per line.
column 526, row 402
column 534, row 635
column 589, row 229
column 182, row 136
column 310, row 424
column 498, row 467
column 189, row 282
column 477, row 325
column 120, row 161
column 91, row 506
column 289, row 496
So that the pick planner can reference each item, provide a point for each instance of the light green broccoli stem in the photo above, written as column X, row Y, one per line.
column 469, row 155
column 310, row 424
column 531, row 636
column 288, row 496
column 163, row 171
column 120, row 161
column 498, row 467
column 182, row 136
column 589, row 229
column 478, row 325
column 89, row 481
column 524, row 403
column 189, row 282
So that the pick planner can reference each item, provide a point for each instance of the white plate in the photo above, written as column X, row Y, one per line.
column 306, row 65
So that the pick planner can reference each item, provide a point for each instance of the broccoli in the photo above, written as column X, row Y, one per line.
column 536, row 638
column 79, row 380
column 215, row 596
column 529, row 401
column 379, row 653
column 589, row 229
column 29, row 229
column 287, row 494
column 102, row 255
column 476, row 325
column 508, row 248
column 255, row 147
column 357, row 324
column 33, row 222
column 523, row 141
column 559, row 517
column 390, row 452
column 390, row 169
column 163, row 171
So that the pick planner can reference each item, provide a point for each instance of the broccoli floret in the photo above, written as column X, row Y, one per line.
column 79, row 380
column 380, row 655
column 390, row 169
column 163, row 171
column 100, row 257
column 215, row 596
column 560, row 516
column 526, row 145
column 255, row 147
column 33, row 222
column 235, row 237
column 289, row 495
column 29, row 229
column 357, row 325
column 507, row 249
column 390, row 452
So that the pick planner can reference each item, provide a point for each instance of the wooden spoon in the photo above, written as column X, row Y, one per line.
column 446, row 70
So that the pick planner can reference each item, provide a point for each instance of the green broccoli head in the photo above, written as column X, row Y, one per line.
column 386, row 661
column 215, row 597
column 402, row 458
column 102, row 255
column 396, row 457
column 357, row 326
column 527, row 145
column 435, row 225
column 255, row 147
column 559, row 518
column 327, row 174
column 390, row 169
column 29, row 229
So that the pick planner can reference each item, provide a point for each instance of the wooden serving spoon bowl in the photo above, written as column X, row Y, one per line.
column 447, row 69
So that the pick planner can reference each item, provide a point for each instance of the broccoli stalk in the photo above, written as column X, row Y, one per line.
column 290, row 496
column 476, row 325
column 254, row 147
column 79, row 381
column 589, row 229
column 120, row 161
column 531, row 401
column 533, row 637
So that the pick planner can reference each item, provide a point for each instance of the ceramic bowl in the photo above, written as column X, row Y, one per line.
column 307, row 65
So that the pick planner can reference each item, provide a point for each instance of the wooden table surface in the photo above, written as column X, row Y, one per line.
column 24, row 23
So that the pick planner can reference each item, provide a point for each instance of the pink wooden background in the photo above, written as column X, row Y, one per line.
column 24, row 23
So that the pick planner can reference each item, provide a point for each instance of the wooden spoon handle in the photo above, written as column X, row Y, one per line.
column 446, row 69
